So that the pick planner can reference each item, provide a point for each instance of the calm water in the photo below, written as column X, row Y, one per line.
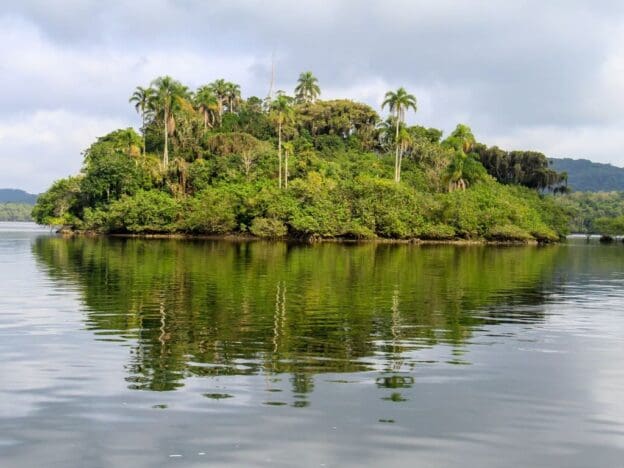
column 145, row 353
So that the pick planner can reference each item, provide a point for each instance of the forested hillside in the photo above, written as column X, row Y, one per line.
column 16, row 205
column 15, row 212
column 588, row 176
column 209, row 161
column 17, row 196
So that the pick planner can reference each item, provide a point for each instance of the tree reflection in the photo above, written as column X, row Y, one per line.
column 217, row 308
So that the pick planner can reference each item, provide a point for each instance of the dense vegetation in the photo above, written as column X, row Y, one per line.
column 211, row 162
column 595, row 213
column 588, row 176
column 15, row 212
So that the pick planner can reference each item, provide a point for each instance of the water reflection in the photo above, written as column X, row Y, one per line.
column 218, row 308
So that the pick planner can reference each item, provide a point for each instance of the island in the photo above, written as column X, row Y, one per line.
column 208, row 162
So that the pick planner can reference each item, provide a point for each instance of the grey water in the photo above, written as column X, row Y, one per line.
column 147, row 353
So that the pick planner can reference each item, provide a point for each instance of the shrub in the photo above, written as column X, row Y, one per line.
column 268, row 228
column 146, row 211
column 212, row 211
column 437, row 232
column 507, row 232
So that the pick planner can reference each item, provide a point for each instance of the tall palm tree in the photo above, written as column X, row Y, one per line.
column 281, row 112
column 168, row 94
column 289, row 150
column 206, row 103
column 220, row 89
column 404, row 141
column 233, row 96
column 142, row 99
column 399, row 102
column 307, row 89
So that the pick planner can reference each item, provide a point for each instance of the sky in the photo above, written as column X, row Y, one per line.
column 523, row 74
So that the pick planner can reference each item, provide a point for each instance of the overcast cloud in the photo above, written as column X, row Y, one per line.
column 547, row 76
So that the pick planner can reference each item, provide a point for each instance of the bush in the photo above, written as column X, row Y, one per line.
column 544, row 235
column 329, row 144
column 268, row 228
column 437, row 232
column 145, row 212
column 507, row 232
column 212, row 211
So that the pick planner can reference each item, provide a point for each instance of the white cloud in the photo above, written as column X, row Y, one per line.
column 522, row 74
column 39, row 147
column 603, row 143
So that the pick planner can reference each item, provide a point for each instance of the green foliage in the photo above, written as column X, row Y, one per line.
column 15, row 212
column 488, row 207
column 211, row 211
column 59, row 206
column 112, row 168
column 145, row 212
column 222, row 169
column 610, row 226
column 341, row 117
column 585, row 208
column 508, row 232
column 268, row 228
column 528, row 168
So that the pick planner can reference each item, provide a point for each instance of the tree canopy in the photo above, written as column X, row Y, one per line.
column 209, row 161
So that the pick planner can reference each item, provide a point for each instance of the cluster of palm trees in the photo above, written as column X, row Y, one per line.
column 165, row 96
column 281, row 113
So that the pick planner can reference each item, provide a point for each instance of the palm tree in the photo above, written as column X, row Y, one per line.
column 220, row 89
column 207, row 104
column 404, row 141
column 289, row 150
column 307, row 89
column 455, row 172
column 399, row 102
column 233, row 96
column 463, row 138
column 142, row 99
column 281, row 113
column 461, row 141
column 168, row 93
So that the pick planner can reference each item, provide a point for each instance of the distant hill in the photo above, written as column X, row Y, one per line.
column 17, row 196
column 588, row 176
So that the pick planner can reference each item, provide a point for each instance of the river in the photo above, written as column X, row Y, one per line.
column 146, row 353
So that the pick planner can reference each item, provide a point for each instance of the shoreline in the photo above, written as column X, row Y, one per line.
column 313, row 240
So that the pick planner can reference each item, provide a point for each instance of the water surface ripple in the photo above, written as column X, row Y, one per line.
column 149, row 353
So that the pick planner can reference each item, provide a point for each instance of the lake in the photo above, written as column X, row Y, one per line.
column 146, row 353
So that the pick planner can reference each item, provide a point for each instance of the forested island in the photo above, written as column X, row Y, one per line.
column 208, row 162
column 16, row 205
column 15, row 212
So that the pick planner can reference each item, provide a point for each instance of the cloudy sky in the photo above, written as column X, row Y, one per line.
column 547, row 76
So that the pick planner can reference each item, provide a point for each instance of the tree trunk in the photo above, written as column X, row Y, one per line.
column 400, row 163
column 279, row 152
column 396, row 143
column 166, row 152
column 143, row 117
column 286, row 169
